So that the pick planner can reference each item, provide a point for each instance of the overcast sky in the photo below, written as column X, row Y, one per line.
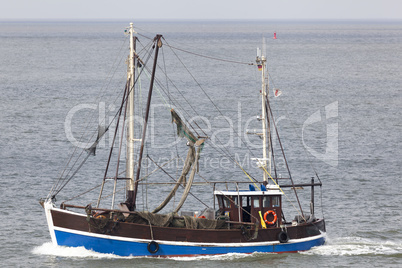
column 201, row 9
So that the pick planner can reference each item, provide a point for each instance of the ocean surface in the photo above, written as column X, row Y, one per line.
column 339, row 115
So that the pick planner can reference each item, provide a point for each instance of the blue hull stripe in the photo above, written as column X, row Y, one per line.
column 134, row 248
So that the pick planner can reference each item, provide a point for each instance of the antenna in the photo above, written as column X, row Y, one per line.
column 258, row 52
column 264, row 47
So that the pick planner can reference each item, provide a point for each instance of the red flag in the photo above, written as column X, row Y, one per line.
column 277, row 92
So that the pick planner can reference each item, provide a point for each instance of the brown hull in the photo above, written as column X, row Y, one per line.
column 141, row 231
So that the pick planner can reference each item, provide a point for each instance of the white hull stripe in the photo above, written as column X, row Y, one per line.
column 178, row 243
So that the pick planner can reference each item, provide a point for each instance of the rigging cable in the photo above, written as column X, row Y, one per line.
column 55, row 190
column 212, row 58
column 300, row 211
column 176, row 181
column 103, row 92
column 216, row 107
column 197, row 54
column 304, row 149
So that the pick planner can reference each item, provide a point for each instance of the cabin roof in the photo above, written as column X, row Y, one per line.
column 269, row 190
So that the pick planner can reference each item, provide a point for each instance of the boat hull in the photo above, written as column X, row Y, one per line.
column 71, row 234
column 132, row 247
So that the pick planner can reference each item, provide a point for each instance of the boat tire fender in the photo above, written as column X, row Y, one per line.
column 273, row 214
column 283, row 237
column 153, row 247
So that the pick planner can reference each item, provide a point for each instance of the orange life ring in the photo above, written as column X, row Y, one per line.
column 273, row 214
column 98, row 215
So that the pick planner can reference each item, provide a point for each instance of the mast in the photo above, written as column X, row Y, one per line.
column 130, row 125
column 158, row 44
column 265, row 161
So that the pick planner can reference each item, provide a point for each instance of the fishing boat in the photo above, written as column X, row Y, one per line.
column 246, row 214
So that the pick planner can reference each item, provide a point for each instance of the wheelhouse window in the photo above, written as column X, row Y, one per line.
column 275, row 201
column 220, row 201
column 226, row 202
column 266, row 201
column 256, row 202
column 235, row 201
column 245, row 201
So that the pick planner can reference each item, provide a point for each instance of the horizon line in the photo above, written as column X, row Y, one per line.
column 197, row 20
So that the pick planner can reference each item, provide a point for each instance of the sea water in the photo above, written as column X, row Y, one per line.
column 339, row 115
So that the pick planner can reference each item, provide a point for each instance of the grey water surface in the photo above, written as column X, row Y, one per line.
column 339, row 115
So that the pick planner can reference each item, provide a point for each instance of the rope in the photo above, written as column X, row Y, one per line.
column 196, row 54
column 56, row 188
column 281, row 189
column 176, row 181
column 293, row 125
column 150, row 228
column 268, row 107
column 296, row 132
column 227, row 153
column 209, row 57
column 247, row 175
column 173, row 100
column 103, row 92
column 81, row 194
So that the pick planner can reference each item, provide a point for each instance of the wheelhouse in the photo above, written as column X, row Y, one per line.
column 264, row 204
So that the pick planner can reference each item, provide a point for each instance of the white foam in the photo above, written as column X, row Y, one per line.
column 50, row 249
column 351, row 246
column 343, row 246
